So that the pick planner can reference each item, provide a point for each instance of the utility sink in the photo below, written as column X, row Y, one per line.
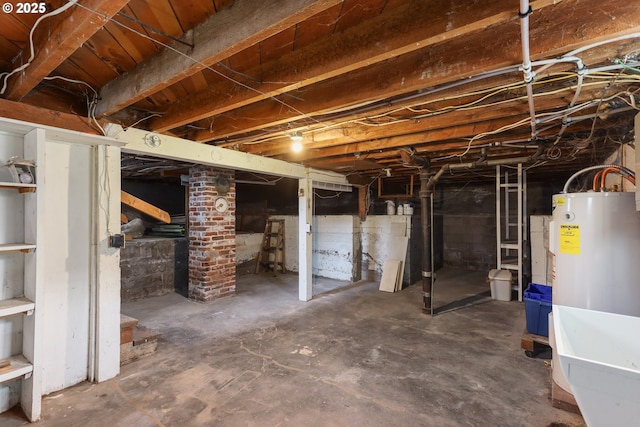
column 599, row 354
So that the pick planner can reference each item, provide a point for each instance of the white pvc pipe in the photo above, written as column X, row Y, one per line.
column 526, row 60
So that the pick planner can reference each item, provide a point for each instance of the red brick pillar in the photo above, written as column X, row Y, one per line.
column 212, row 234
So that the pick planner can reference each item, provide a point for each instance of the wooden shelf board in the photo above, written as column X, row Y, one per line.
column 19, row 367
column 12, row 247
column 9, row 307
column 23, row 188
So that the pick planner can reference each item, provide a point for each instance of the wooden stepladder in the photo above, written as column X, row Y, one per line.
column 271, row 255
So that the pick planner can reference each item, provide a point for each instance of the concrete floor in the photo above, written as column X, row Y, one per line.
column 351, row 357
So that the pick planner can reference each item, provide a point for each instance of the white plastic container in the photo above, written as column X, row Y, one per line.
column 599, row 354
column 408, row 209
column 400, row 210
column 500, row 282
column 391, row 207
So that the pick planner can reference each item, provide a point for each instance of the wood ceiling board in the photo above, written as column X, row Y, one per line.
column 93, row 66
column 194, row 83
column 66, row 32
column 418, row 70
column 277, row 45
column 246, row 61
column 215, row 39
column 130, row 36
column 317, row 27
column 354, row 11
column 9, row 50
column 192, row 12
column 159, row 15
column 54, row 98
column 105, row 47
column 13, row 28
column 221, row 4
column 373, row 41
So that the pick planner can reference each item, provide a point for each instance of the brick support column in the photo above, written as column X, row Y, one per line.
column 212, row 235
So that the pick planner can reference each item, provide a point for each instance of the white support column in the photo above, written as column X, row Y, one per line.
column 107, row 298
column 305, row 242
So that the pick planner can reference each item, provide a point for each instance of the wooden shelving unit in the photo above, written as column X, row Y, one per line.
column 23, row 299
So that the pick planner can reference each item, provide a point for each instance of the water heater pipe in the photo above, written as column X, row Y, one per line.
column 592, row 168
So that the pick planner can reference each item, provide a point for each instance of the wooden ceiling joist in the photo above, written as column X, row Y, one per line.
column 223, row 34
column 440, row 64
column 381, row 38
column 29, row 113
column 62, row 35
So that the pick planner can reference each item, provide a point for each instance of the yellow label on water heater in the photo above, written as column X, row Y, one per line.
column 570, row 239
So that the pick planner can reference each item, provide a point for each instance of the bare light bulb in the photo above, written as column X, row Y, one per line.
column 296, row 137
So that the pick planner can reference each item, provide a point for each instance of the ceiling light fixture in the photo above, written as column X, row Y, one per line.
column 296, row 137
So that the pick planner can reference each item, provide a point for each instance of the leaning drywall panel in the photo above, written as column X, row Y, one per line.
column 541, row 257
column 379, row 234
column 67, row 265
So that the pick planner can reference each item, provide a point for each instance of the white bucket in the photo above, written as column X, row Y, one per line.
column 408, row 209
column 500, row 282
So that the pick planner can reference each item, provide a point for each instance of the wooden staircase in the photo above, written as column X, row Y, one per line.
column 271, row 256
column 136, row 341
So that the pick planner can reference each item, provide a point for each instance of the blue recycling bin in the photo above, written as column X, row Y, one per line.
column 537, row 305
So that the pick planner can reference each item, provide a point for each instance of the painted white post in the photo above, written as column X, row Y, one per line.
column 107, row 310
column 305, row 243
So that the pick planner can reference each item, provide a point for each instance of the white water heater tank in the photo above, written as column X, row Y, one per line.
column 595, row 237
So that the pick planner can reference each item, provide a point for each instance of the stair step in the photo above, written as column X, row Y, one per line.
column 127, row 324
column 142, row 335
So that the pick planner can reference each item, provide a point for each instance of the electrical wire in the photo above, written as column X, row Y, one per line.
column 5, row 76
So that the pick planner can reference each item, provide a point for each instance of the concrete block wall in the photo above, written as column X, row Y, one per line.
column 153, row 266
column 212, row 235
column 470, row 241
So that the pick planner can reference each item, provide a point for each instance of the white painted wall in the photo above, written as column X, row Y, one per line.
column 67, row 264
column 247, row 246
column 336, row 239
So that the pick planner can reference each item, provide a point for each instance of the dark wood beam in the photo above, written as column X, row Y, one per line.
column 227, row 32
column 54, row 42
